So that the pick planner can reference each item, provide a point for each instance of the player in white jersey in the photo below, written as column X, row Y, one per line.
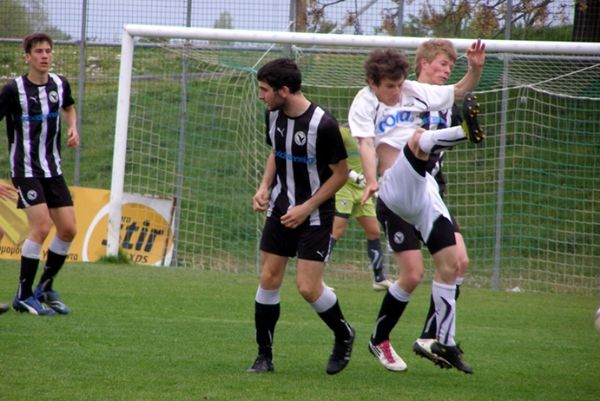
column 385, row 116
column 434, row 62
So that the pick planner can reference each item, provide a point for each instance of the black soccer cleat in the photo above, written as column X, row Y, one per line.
column 262, row 364
column 340, row 356
column 451, row 354
column 470, row 125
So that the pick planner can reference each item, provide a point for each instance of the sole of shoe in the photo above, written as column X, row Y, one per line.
column 470, row 124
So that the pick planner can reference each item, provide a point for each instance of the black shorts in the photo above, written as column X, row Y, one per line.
column 52, row 191
column 306, row 241
column 403, row 236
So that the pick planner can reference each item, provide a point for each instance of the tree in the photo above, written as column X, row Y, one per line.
column 478, row 18
column 20, row 17
column 585, row 26
column 224, row 21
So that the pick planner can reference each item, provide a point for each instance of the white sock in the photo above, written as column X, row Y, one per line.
column 434, row 141
column 445, row 312
column 325, row 301
column 267, row 297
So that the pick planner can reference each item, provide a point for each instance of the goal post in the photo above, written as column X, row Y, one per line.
column 526, row 200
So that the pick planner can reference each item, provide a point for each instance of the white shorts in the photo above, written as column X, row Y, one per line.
column 411, row 196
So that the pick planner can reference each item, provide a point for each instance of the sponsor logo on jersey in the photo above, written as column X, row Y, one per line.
column 40, row 117
column 401, row 117
column 296, row 159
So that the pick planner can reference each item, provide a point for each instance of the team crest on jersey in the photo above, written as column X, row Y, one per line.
column 32, row 195
column 300, row 138
column 398, row 237
column 53, row 96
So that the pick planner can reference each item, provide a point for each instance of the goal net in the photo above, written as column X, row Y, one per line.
column 190, row 127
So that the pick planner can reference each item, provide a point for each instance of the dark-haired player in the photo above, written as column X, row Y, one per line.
column 35, row 106
column 305, row 168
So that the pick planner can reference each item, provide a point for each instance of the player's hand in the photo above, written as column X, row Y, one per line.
column 476, row 54
column 295, row 216
column 260, row 201
column 73, row 137
column 7, row 192
column 369, row 191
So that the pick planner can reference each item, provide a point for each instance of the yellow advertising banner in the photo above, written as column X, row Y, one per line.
column 146, row 228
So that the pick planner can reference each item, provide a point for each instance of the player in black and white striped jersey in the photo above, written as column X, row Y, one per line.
column 306, row 167
column 34, row 106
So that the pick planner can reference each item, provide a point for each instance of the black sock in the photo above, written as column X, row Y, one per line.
column 374, row 252
column 457, row 292
column 430, row 327
column 334, row 319
column 389, row 314
column 27, row 276
column 54, row 263
column 265, row 319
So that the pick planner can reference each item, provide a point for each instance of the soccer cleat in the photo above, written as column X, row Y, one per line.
column 31, row 305
column 52, row 300
column 380, row 283
column 387, row 356
column 422, row 347
column 451, row 354
column 470, row 125
column 262, row 364
column 340, row 355
column 4, row 308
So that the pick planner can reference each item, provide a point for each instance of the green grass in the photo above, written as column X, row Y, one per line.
column 145, row 333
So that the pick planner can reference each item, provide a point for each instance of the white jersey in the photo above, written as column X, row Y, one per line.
column 393, row 125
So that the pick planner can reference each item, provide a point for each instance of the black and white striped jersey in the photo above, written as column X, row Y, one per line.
column 304, row 147
column 33, row 124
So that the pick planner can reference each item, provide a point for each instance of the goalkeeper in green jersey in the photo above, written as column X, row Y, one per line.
column 347, row 204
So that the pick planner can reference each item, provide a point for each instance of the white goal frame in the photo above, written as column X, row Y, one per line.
column 133, row 31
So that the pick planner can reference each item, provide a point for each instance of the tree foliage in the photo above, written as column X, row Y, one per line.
column 20, row 17
column 478, row 18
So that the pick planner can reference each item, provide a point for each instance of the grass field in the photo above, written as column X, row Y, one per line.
column 144, row 333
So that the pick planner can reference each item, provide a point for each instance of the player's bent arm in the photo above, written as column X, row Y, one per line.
column 368, row 159
column 261, row 199
column 476, row 57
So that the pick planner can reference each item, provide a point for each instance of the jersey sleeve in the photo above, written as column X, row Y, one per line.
column 361, row 116
column 330, row 141
column 67, row 94
column 6, row 96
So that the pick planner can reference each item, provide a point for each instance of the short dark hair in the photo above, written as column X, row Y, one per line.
column 281, row 72
column 386, row 63
column 34, row 38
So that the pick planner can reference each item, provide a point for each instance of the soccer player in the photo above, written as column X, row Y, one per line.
column 305, row 168
column 348, row 203
column 434, row 62
column 32, row 105
column 385, row 116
